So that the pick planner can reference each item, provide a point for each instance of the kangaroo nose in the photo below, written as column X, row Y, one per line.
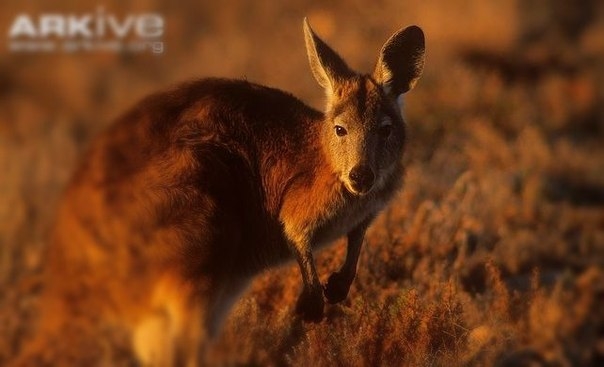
column 361, row 178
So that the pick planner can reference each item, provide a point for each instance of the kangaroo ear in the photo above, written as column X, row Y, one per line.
column 401, row 61
column 326, row 65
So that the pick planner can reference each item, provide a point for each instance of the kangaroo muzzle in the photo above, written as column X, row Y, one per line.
column 361, row 179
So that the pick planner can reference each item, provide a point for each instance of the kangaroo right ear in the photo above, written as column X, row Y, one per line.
column 326, row 65
column 401, row 61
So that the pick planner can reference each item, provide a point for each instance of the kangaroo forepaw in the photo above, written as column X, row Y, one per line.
column 310, row 306
column 336, row 288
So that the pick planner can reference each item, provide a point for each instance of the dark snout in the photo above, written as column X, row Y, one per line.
column 361, row 179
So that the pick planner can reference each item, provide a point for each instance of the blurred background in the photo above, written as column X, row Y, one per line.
column 493, row 254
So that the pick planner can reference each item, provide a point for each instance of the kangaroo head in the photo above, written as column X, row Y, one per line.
column 363, row 132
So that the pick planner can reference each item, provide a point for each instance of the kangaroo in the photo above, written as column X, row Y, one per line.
column 194, row 191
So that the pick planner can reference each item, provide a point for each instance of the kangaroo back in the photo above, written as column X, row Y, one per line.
column 194, row 191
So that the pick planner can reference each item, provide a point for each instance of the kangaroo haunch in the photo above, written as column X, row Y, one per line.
column 196, row 190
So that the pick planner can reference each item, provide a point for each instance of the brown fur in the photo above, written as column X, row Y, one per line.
column 193, row 192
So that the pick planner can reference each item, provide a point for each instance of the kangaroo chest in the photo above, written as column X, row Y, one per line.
column 351, row 213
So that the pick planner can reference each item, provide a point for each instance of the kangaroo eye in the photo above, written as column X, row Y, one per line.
column 385, row 130
column 340, row 131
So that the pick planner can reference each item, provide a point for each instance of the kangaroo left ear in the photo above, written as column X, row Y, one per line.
column 326, row 65
column 401, row 61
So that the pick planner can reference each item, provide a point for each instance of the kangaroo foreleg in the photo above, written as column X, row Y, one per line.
column 310, row 303
column 338, row 284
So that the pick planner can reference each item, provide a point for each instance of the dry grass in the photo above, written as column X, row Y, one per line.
column 493, row 254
